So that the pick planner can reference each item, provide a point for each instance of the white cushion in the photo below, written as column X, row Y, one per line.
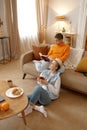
column 74, row 58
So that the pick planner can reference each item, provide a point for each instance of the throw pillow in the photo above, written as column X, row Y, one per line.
column 74, row 58
column 82, row 66
column 43, row 49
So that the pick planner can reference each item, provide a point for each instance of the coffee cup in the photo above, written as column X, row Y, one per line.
column 10, row 83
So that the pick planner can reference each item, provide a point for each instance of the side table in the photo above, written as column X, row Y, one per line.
column 69, row 38
column 7, row 38
column 17, row 105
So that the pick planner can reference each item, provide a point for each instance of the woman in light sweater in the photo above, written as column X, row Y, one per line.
column 47, row 89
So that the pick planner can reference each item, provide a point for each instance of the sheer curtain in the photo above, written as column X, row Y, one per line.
column 27, row 23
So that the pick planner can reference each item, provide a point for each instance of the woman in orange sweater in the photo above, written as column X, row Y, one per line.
column 58, row 50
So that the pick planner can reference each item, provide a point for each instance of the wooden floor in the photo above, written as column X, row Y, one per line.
column 69, row 112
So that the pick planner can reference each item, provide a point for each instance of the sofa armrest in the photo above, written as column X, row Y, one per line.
column 26, row 57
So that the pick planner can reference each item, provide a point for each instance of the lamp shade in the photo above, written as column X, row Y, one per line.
column 60, row 18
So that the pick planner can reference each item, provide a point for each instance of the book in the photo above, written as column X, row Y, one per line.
column 44, row 57
column 1, row 98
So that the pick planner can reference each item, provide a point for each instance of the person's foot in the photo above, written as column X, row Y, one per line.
column 27, row 111
column 41, row 109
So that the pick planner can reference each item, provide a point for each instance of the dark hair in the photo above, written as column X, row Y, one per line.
column 59, row 36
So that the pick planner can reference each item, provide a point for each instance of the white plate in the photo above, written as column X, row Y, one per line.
column 10, row 90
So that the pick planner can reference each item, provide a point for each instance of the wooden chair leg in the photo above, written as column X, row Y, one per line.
column 24, row 76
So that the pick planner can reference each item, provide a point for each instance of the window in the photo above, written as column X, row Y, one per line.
column 27, row 23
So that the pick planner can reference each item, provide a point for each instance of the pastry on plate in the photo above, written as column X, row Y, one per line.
column 16, row 91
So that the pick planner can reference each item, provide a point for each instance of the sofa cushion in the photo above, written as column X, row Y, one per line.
column 43, row 49
column 74, row 58
column 82, row 66
column 74, row 80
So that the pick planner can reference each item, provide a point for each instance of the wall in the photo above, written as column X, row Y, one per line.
column 86, row 36
column 2, row 16
column 69, row 8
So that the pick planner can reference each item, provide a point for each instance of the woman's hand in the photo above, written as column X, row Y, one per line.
column 42, row 80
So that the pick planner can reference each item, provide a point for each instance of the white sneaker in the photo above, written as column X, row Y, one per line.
column 27, row 111
column 42, row 110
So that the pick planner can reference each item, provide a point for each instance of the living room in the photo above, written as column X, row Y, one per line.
column 69, row 111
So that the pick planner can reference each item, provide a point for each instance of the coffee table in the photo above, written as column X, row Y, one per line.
column 17, row 105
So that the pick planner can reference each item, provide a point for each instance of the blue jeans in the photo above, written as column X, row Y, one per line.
column 39, row 95
column 41, row 65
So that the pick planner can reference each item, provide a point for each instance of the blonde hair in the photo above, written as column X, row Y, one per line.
column 57, row 65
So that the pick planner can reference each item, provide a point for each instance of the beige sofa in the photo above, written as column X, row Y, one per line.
column 70, row 79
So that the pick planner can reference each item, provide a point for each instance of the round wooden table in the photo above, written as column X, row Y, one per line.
column 17, row 105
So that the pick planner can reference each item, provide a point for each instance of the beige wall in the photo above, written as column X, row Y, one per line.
column 69, row 8
column 2, row 16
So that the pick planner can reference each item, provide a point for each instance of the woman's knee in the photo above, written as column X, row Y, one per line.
column 46, row 102
column 38, row 88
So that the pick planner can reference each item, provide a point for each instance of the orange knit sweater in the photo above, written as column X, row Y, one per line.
column 59, row 51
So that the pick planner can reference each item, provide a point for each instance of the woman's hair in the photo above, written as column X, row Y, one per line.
column 59, row 36
column 57, row 64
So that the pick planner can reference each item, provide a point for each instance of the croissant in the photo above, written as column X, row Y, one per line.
column 16, row 91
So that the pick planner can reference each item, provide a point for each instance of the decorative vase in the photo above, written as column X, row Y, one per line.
column 63, row 29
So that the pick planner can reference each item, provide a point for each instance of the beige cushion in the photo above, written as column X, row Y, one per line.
column 74, row 58
column 36, row 49
column 82, row 66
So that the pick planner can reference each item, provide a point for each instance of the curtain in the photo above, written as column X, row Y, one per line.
column 42, row 15
column 12, row 27
column 27, row 24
